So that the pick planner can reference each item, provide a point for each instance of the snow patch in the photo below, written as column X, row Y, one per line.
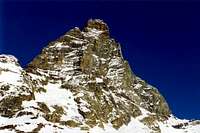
column 99, row 80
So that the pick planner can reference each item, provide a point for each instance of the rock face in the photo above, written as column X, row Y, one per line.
column 80, row 81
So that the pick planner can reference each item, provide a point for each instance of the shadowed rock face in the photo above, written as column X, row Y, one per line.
column 89, row 65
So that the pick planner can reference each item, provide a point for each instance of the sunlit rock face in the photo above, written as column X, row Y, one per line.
column 79, row 83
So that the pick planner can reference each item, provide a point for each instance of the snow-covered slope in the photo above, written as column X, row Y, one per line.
column 80, row 83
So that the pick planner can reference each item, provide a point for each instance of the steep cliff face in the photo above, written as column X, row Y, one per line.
column 80, row 83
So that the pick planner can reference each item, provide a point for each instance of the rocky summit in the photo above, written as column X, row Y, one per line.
column 80, row 83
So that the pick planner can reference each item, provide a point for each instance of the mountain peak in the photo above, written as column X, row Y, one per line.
column 91, row 60
column 97, row 24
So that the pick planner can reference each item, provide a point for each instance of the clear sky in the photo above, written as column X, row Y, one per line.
column 161, row 40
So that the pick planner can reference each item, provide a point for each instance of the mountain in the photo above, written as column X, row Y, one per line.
column 80, row 83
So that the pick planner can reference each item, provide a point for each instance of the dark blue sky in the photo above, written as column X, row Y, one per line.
column 161, row 40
